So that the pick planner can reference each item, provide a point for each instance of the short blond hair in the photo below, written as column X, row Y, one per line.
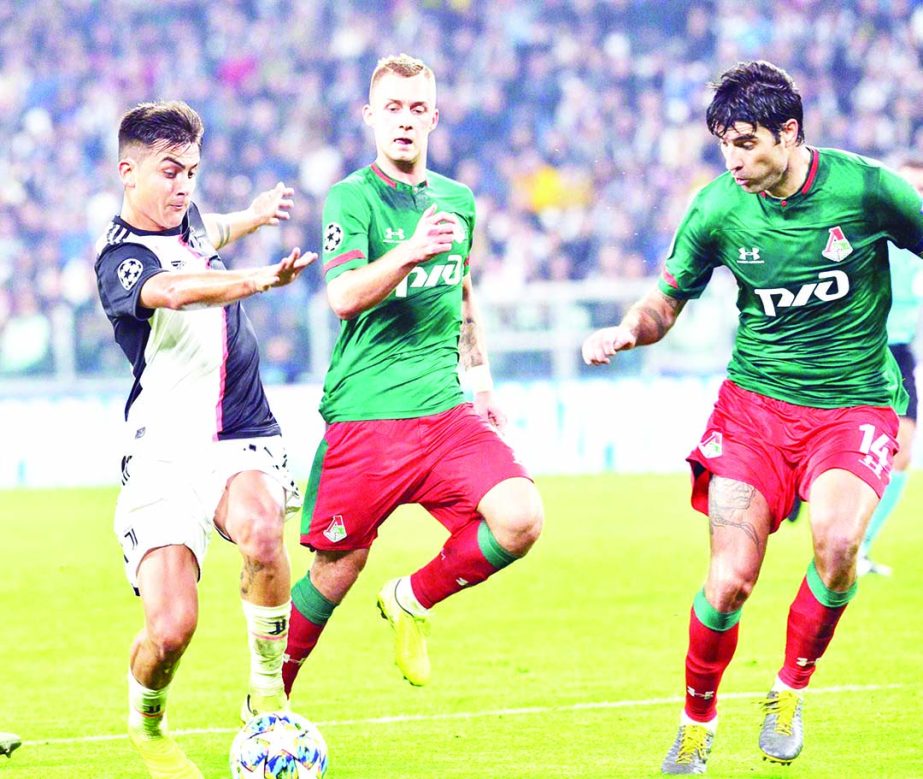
column 402, row 65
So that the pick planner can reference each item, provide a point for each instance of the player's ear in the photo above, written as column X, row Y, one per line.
column 435, row 119
column 127, row 172
column 790, row 132
column 367, row 114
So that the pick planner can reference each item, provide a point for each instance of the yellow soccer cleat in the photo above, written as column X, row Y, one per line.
column 690, row 750
column 782, row 734
column 410, row 632
column 163, row 757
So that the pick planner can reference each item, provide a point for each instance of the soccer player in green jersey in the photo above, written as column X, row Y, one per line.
column 808, row 407
column 397, row 239
column 907, row 299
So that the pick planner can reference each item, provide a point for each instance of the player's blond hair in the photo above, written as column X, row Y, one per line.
column 402, row 65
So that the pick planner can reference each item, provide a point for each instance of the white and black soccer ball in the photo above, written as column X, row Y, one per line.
column 279, row 745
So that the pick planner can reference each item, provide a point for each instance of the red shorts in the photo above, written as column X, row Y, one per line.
column 362, row 471
column 781, row 448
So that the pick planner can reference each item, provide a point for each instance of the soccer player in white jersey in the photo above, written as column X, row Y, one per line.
column 202, row 446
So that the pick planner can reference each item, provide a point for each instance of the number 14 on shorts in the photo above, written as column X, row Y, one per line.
column 875, row 448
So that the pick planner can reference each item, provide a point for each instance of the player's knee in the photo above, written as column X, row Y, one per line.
column 729, row 590
column 169, row 636
column 835, row 555
column 518, row 527
column 260, row 537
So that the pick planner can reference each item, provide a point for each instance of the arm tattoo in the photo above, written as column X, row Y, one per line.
column 728, row 502
column 651, row 315
column 468, row 344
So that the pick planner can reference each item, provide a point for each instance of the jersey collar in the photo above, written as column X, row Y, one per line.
column 809, row 182
column 394, row 183
column 178, row 230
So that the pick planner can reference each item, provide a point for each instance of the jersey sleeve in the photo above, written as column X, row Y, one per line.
column 468, row 220
column 691, row 260
column 347, row 218
column 120, row 274
column 901, row 209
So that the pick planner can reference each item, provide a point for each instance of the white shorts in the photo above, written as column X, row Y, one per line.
column 167, row 502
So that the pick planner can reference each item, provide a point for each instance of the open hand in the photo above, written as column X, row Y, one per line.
column 273, row 205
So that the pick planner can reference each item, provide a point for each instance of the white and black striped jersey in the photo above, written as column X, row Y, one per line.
column 196, row 371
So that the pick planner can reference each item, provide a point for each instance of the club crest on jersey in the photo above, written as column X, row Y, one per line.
column 712, row 446
column 838, row 248
column 129, row 271
column 333, row 236
column 336, row 530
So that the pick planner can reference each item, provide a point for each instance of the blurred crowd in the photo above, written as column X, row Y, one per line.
column 579, row 124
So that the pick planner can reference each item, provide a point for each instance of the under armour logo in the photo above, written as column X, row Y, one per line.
column 804, row 662
column 394, row 234
column 749, row 256
column 703, row 695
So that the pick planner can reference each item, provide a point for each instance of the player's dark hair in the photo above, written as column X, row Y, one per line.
column 757, row 93
column 169, row 123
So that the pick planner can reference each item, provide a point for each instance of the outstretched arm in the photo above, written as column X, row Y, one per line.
column 473, row 355
column 181, row 290
column 268, row 208
column 646, row 322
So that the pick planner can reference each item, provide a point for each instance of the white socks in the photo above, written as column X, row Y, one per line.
column 403, row 593
column 779, row 686
column 267, row 631
column 711, row 726
column 146, row 708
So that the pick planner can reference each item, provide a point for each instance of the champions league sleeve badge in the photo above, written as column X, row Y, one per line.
column 129, row 272
column 333, row 236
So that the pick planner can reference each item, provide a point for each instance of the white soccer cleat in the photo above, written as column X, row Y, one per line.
column 9, row 743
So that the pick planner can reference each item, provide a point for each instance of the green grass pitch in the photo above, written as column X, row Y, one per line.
column 568, row 664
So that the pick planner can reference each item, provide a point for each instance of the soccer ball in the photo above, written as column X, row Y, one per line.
column 279, row 745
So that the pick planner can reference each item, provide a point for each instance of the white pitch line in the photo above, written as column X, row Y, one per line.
column 463, row 715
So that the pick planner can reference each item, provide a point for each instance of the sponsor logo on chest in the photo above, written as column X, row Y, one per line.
column 448, row 273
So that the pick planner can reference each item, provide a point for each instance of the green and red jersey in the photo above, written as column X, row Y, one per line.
column 813, row 281
column 399, row 359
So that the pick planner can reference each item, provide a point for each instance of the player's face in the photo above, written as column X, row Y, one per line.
column 159, row 183
column 402, row 113
column 755, row 158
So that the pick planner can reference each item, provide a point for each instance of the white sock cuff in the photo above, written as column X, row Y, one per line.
column 778, row 686
column 711, row 725
column 134, row 686
column 265, row 612
column 407, row 599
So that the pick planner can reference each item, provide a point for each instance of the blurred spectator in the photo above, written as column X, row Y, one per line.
column 578, row 123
